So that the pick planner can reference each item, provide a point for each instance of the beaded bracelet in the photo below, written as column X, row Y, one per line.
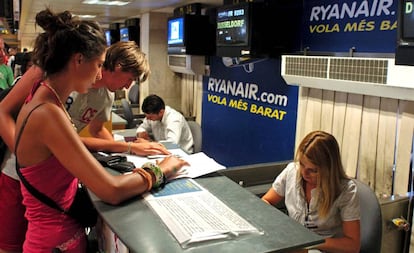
column 146, row 175
column 129, row 148
column 156, row 170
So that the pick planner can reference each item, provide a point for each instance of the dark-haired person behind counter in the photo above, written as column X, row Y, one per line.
column 319, row 195
column 49, row 151
column 163, row 123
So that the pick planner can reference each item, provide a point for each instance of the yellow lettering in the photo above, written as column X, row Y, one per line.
column 267, row 112
column 216, row 99
column 394, row 26
column 335, row 28
column 362, row 26
column 230, row 24
column 282, row 114
column 322, row 28
column 253, row 108
column 350, row 27
column 386, row 25
column 370, row 26
column 238, row 104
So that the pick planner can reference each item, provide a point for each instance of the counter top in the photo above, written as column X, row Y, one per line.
column 141, row 230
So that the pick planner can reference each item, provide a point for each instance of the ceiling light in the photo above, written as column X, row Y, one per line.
column 85, row 16
column 106, row 2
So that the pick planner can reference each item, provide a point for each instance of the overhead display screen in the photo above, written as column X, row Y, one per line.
column 124, row 33
column 232, row 26
column 408, row 20
column 176, row 31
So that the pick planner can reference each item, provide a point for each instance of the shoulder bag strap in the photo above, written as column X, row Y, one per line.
column 36, row 193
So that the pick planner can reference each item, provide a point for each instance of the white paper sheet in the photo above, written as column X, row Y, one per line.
column 200, row 163
column 193, row 214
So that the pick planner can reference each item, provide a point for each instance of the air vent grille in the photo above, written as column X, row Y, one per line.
column 187, row 64
column 307, row 66
column 349, row 69
column 178, row 61
column 360, row 70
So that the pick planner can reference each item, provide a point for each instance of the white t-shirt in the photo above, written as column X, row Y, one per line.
column 96, row 104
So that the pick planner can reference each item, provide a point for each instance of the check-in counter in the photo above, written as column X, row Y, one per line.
column 136, row 227
column 140, row 229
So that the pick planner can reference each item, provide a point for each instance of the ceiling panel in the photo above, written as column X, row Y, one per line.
column 104, row 14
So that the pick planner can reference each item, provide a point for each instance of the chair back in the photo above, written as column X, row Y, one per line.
column 127, row 111
column 371, row 219
column 197, row 135
column 133, row 94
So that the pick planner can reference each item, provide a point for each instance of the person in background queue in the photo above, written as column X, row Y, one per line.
column 27, row 63
column 3, row 51
column 6, row 73
column 319, row 195
column 12, row 55
column 18, row 62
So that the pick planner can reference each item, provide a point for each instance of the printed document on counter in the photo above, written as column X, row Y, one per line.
column 200, row 163
column 193, row 214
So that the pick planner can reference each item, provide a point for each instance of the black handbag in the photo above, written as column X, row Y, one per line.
column 81, row 209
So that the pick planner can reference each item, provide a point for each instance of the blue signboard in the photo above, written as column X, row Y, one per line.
column 338, row 26
column 249, row 112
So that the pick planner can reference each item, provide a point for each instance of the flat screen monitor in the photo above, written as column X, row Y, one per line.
column 108, row 37
column 190, row 34
column 406, row 21
column 233, row 26
column 133, row 27
column 176, row 31
column 114, row 32
column 124, row 34
column 258, row 29
column 404, row 54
